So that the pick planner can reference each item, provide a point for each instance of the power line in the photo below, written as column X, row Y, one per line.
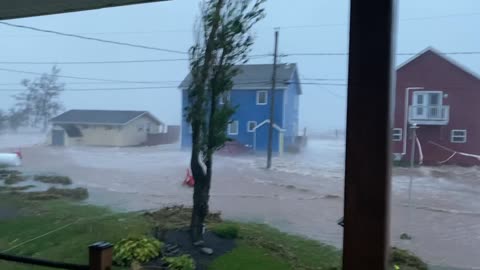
column 167, row 87
column 75, row 77
column 255, row 56
column 92, row 83
column 284, row 27
column 324, row 79
column 169, row 81
column 91, row 38
column 398, row 54
column 101, row 89
column 404, row 20
column 90, row 62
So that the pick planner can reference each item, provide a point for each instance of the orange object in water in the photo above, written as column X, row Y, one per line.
column 189, row 180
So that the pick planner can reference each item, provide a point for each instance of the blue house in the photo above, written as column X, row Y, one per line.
column 250, row 123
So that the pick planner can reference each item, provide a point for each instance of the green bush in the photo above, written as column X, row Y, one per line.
column 53, row 179
column 14, row 178
column 225, row 230
column 136, row 249
column 404, row 259
column 184, row 262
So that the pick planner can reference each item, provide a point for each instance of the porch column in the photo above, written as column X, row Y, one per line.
column 368, row 155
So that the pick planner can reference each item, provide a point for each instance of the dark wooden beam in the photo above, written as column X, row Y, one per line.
column 13, row 9
column 369, row 116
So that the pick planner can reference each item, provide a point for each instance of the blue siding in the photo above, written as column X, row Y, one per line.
column 291, row 124
column 262, row 139
column 286, row 116
column 248, row 111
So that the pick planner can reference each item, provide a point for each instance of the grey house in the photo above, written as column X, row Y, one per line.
column 103, row 128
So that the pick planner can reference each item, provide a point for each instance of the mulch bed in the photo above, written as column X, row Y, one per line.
column 181, row 238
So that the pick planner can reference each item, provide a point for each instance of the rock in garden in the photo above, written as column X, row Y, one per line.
column 206, row 250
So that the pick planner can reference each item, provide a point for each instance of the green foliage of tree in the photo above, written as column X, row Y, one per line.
column 223, row 41
column 40, row 100
column 3, row 120
column 17, row 118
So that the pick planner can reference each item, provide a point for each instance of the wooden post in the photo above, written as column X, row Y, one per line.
column 368, row 153
column 100, row 256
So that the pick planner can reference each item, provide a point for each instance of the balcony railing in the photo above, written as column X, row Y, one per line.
column 429, row 115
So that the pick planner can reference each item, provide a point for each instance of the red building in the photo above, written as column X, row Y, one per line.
column 443, row 100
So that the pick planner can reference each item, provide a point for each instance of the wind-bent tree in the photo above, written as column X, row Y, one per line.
column 40, row 98
column 3, row 120
column 224, row 40
column 16, row 118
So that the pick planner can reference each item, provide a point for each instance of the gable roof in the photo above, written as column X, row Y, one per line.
column 435, row 52
column 258, row 76
column 100, row 117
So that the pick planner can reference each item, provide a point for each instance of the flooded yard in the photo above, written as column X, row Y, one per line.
column 302, row 194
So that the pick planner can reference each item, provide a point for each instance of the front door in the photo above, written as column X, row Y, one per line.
column 58, row 137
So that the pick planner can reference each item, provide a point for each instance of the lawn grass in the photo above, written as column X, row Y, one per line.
column 89, row 224
column 251, row 258
column 273, row 246
column 259, row 247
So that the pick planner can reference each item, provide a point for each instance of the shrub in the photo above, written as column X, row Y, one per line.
column 225, row 230
column 14, row 178
column 53, row 179
column 406, row 260
column 184, row 262
column 136, row 249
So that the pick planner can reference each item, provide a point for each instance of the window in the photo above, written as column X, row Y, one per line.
column 262, row 97
column 458, row 136
column 251, row 125
column 224, row 98
column 140, row 127
column 233, row 128
column 108, row 127
column 397, row 134
column 428, row 104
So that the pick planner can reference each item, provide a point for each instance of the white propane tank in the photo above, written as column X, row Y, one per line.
column 10, row 159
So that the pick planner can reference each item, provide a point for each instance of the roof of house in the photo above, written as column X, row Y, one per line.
column 100, row 117
column 257, row 76
column 433, row 51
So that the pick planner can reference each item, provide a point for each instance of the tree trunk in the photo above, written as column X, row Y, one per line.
column 200, row 206
column 201, row 189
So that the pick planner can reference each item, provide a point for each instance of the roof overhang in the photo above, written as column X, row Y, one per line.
column 13, row 9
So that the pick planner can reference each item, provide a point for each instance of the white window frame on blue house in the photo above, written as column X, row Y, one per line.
column 258, row 97
column 253, row 128
column 230, row 128
column 224, row 97
column 458, row 136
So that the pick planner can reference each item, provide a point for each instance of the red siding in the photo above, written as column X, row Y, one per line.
column 461, row 92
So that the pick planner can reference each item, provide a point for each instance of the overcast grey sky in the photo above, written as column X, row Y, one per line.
column 317, row 26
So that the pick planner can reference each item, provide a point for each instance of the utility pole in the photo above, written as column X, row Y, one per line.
column 414, row 128
column 272, row 103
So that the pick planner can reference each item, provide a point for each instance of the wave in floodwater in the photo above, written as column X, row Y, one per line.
column 445, row 210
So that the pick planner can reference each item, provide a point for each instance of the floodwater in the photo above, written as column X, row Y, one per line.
column 302, row 194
